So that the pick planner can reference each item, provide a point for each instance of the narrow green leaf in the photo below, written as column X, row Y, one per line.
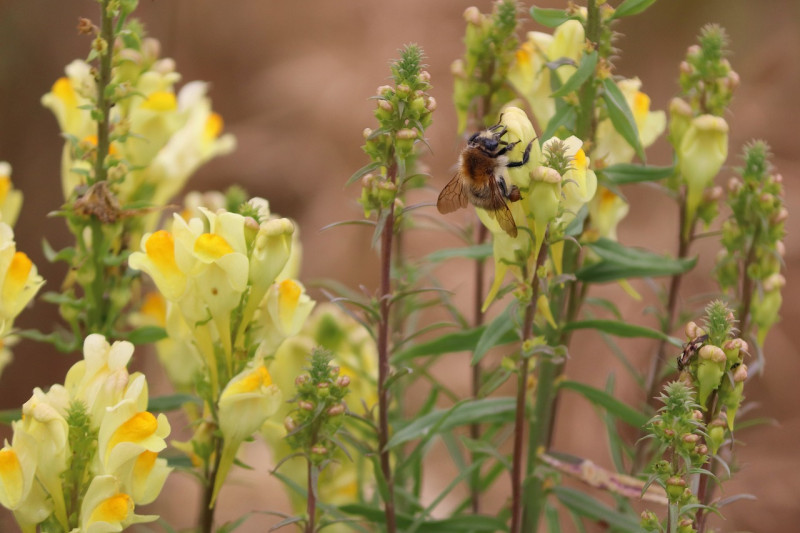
column 631, row 7
column 550, row 17
column 622, row 329
column 467, row 412
column 171, row 402
column 494, row 334
column 583, row 73
column 563, row 117
column 459, row 341
column 147, row 335
column 623, row 173
column 551, row 516
column 621, row 262
column 621, row 116
column 455, row 524
column 478, row 251
column 363, row 171
column 586, row 506
column 624, row 412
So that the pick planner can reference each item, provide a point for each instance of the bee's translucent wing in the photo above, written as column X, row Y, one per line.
column 501, row 211
column 453, row 196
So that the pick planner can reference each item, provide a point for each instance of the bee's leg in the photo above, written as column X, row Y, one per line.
column 501, row 182
column 506, row 148
column 525, row 156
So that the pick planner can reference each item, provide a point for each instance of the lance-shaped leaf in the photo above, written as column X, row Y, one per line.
column 467, row 412
column 584, row 505
column 579, row 77
column 621, row 116
column 454, row 524
column 623, row 173
column 622, row 329
column 600, row 398
column 631, row 7
column 477, row 251
column 621, row 262
column 550, row 17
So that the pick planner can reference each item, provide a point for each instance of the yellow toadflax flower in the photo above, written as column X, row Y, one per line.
column 244, row 405
column 10, row 198
column 611, row 147
column 19, row 278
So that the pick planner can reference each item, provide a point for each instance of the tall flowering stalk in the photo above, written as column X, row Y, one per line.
column 403, row 113
column 699, row 135
column 130, row 145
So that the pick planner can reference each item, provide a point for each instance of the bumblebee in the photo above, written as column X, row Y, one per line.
column 481, row 179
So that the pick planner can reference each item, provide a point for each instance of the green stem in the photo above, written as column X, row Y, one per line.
column 103, row 81
column 383, row 357
column 587, row 121
column 517, row 519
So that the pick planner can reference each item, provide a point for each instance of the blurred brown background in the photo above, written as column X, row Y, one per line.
column 291, row 80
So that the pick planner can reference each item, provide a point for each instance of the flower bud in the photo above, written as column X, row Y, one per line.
column 336, row 410
column 343, row 381
column 473, row 15
column 305, row 405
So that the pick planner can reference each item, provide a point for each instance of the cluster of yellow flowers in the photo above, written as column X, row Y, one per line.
column 161, row 136
column 89, row 443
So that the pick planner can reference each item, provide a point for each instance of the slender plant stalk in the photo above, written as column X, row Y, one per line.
column 474, row 428
column 311, row 500
column 383, row 357
column 103, row 103
column 206, row 509
column 522, row 393
column 705, row 490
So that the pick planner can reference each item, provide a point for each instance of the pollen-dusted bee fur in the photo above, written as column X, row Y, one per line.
column 481, row 179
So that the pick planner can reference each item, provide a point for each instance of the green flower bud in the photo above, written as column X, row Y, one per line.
column 675, row 488
column 716, row 435
column 649, row 521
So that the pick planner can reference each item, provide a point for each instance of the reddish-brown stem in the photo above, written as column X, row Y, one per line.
column 522, row 393
column 383, row 357
column 474, row 429
column 207, row 509
column 311, row 500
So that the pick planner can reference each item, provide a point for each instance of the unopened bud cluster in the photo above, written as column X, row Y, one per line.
column 713, row 360
column 706, row 77
column 403, row 112
column 678, row 429
column 320, row 409
column 752, row 237
column 490, row 43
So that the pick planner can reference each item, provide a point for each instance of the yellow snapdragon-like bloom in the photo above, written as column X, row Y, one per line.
column 701, row 154
column 19, row 278
column 10, row 198
column 106, row 508
column 244, row 405
column 607, row 210
column 287, row 307
column 611, row 146
column 101, row 379
column 530, row 75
